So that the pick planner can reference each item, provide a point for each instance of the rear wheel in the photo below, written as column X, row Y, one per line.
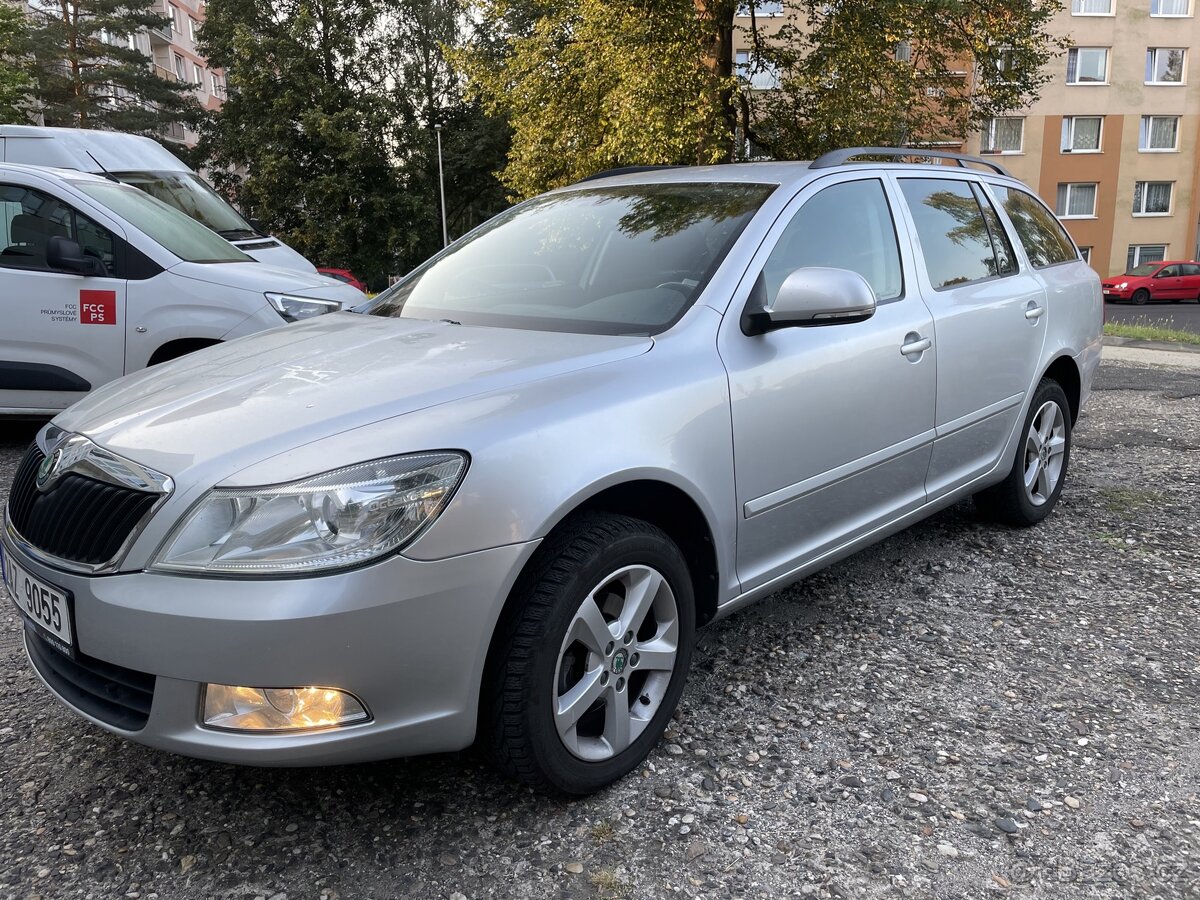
column 1032, row 488
column 1141, row 296
column 593, row 659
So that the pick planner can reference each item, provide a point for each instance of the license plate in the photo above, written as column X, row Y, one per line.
column 45, row 607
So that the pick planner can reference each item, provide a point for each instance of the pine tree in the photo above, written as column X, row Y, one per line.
column 16, row 84
column 86, row 74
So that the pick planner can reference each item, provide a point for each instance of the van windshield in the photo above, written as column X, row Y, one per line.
column 191, row 195
column 183, row 236
column 605, row 260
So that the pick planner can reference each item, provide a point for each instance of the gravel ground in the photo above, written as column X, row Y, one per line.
column 963, row 711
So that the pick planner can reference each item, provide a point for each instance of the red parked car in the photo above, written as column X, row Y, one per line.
column 345, row 275
column 1172, row 281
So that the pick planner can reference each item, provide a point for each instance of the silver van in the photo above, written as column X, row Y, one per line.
column 496, row 503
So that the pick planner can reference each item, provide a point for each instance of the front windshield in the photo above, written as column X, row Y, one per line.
column 192, row 196
column 183, row 236
column 603, row 260
column 1143, row 270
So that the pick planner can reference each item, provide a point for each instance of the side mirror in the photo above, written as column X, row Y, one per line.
column 65, row 255
column 811, row 297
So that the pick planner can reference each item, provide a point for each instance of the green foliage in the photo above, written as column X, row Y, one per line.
column 844, row 83
column 84, row 79
column 16, row 82
column 327, row 134
column 596, row 84
column 590, row 84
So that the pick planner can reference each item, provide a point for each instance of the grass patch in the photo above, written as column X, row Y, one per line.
column 603, row 832
column 1148, row 330
column 1125, row 502
column 609, row 885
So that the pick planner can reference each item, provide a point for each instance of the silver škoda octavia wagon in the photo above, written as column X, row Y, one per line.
column 496, row 502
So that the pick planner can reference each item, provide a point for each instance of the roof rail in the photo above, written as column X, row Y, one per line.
column 840, row 157
column 624, row 170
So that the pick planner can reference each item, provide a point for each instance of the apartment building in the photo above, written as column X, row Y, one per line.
column 172, row 51
column 1111, row 144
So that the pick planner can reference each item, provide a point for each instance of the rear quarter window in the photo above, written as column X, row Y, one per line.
column 1045, row 241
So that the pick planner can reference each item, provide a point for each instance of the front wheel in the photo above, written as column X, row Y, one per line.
column 1032, row 488
column 593, row 659
column 1141, row 296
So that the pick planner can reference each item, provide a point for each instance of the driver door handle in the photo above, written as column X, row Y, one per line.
column 1034, row 312
column 913, row 347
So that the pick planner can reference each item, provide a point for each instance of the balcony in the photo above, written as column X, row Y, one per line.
column 164, row 72
column 159, row 36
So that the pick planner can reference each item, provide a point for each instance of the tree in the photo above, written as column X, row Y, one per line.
column 16, row 84
column 305, row 123
column 899, row 72
column 87, row 75
column 587, row 85
column 596, row 84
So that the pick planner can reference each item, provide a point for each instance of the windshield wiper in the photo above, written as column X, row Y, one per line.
column 237, row 234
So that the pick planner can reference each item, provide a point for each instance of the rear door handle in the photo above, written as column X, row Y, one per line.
column 1034, row 312
column 914, row 347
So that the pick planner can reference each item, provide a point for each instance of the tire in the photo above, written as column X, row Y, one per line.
column 1140, row 296
column 1011, row 502
column 547, row 652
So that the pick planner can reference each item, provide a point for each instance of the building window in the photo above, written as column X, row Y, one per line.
column 1170, row 7
column 1164, row 65
column 1003, row 135
column 193, row 29
column 762, row 8
column 1081, row 134
column 1091, row 7
column 1143, row 254
column 1152, row 198
column 760, row 75
column 179, row 67
column 903, row 52
column 199, row 76
column 1085, row 253
column 1087, row 65
column 1076, row 201
column 177, row 20
column 1159, row 134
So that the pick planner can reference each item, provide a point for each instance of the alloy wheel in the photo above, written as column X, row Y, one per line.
column 1045, row 449
column 615, row 663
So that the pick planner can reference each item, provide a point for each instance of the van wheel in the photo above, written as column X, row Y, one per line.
column 1035, row 482
column 591, row 663
column 1141, row 296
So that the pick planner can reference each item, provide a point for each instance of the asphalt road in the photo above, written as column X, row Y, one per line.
column 964, row 711
column 1181, row 316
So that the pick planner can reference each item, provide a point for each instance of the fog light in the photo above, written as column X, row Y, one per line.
column 279, row 709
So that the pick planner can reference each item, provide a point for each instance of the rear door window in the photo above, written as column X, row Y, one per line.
column 845, row 226
column 956, row 242
column 1045, row 241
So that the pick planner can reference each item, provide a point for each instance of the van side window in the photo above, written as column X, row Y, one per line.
column 845, row 226
column 1045, row 241
column 29, row 218
column 955, row 240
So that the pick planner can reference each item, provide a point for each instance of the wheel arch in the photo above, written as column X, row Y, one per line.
column 179, row 347
column 1065, row 371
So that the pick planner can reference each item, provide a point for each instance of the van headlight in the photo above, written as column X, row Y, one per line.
column 295, row 308
column 342, row 518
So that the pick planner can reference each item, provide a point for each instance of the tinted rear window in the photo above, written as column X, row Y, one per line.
column 954, row 236
column 1045, row 241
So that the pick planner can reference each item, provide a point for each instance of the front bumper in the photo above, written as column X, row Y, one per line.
column 408, row 638
column 1114, row 294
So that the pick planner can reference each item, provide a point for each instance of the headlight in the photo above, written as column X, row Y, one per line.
column 295, row 308
column 1122, row 285
column 342, row 518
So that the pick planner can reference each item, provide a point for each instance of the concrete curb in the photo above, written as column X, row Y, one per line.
column 1134, row 343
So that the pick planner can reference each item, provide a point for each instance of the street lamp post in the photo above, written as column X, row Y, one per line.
column 442, row 187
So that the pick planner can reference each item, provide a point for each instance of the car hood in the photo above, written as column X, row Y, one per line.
column 262, row 395
column 260, row 278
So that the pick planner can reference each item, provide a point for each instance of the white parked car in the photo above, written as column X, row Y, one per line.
column 145, row 164
column 99, row 279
